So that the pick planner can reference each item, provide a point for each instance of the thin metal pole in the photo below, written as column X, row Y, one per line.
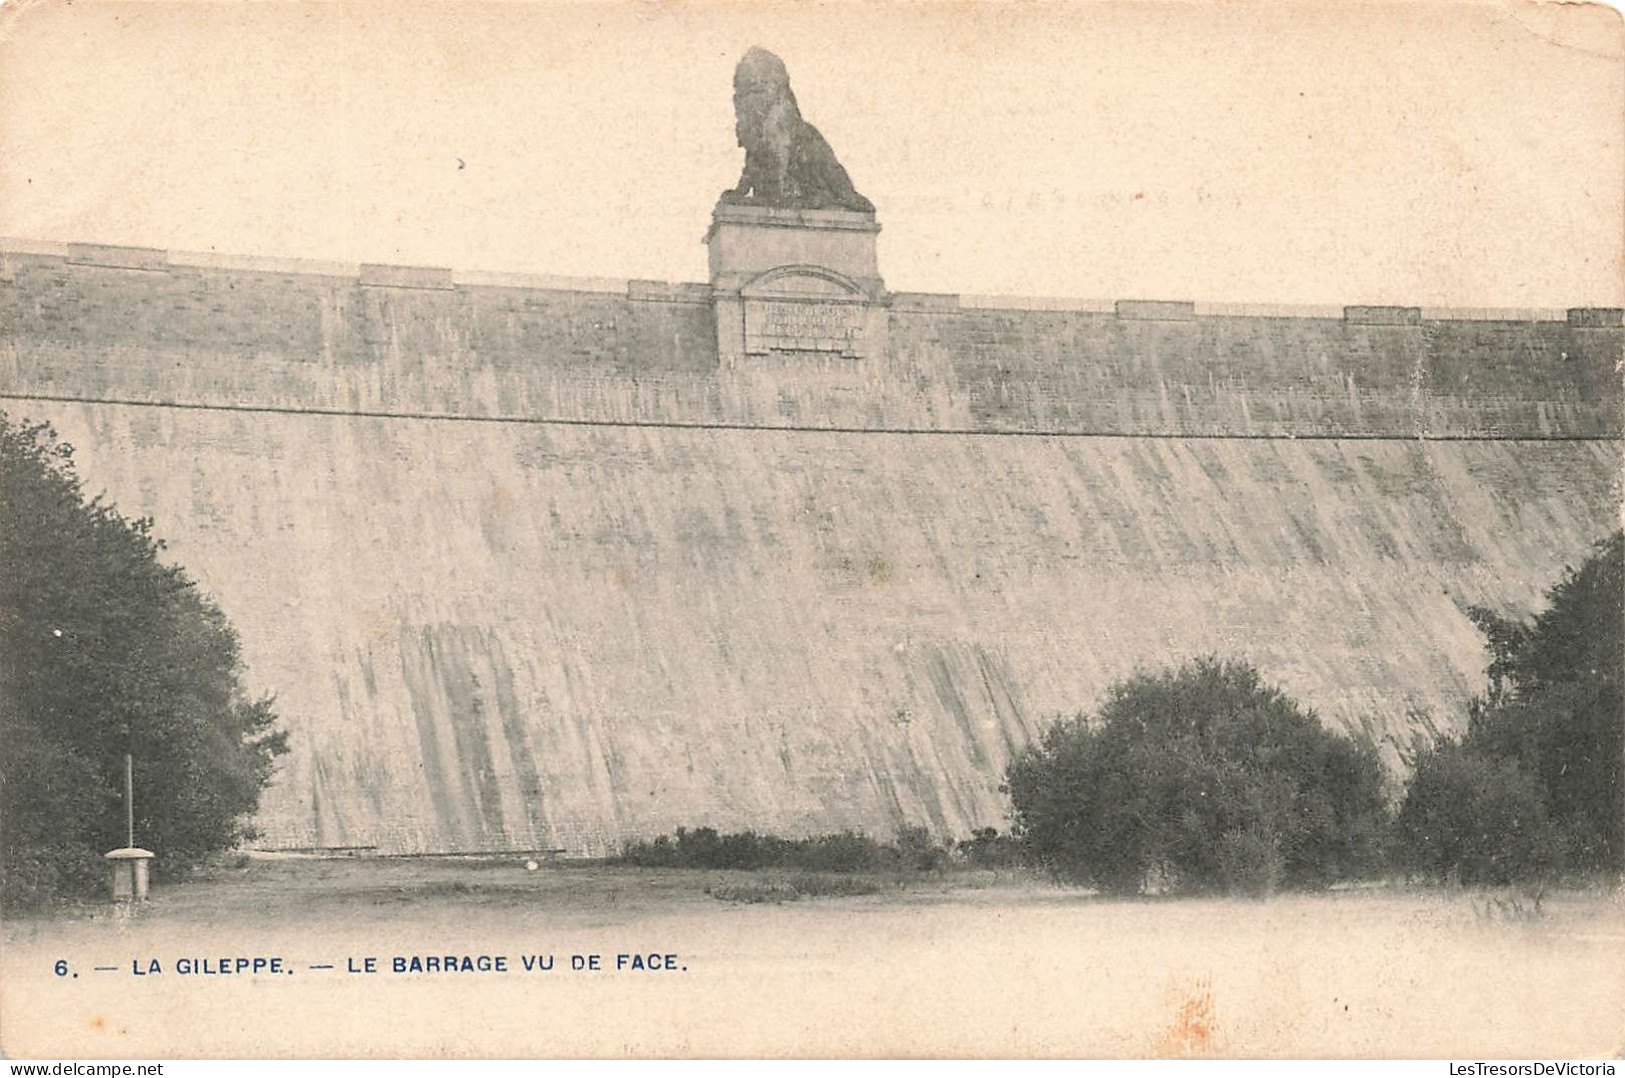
column 129, row 799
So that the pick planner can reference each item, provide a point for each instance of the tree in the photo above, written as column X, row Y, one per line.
column 1203, row 774
column 1552, row 723
column 105, row 649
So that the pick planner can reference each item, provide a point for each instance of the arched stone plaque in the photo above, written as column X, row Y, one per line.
column 804, row 309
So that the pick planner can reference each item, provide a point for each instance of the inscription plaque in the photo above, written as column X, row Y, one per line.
column 792, row 325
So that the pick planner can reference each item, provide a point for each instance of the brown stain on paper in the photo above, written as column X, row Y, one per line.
column 1194, row 1028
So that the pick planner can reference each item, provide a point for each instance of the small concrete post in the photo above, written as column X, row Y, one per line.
column 127, row 874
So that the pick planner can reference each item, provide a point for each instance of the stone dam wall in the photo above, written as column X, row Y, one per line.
column 528, row 568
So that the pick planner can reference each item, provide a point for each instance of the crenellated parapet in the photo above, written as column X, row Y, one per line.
column 784, row 335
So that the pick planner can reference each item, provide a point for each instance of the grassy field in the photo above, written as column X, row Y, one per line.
column 783, row 963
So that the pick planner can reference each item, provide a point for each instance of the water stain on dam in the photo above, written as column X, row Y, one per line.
column 457, row 679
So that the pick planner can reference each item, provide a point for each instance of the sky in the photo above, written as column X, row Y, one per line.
column 1295, row 153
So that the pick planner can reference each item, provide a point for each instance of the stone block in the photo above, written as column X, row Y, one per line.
column 1596, row 317
column 1156, row 310
column 112, row 257
column 384, row 276
column 748, row 241
column 1383, row 316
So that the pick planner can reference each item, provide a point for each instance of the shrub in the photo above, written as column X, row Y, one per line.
column 796, row 887
column 1534, row 789
column 1477, row 819
column 807, row 885
column 846, row 851
column 752, row 893
column 914, row 850
column 986, row 848
column 703, row 847
column 1173, row 762
column 37, row 875
column 917, row 851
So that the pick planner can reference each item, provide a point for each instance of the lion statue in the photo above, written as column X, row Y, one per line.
column 788, row 165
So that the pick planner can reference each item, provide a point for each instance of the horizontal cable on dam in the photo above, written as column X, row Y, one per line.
column 653, row 424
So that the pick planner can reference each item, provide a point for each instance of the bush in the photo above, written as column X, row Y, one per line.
column 796, row 887
column 1534, row 789
column 753, row 893
column 108, row 650
column 917, row 851
column 37, row 875
column 703, row 847
column 914, row 850
column 846, row 851
column 1477, row 820
column 1174, row 762
column 987, row 848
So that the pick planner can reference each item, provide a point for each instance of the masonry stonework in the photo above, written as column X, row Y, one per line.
column 537, row 563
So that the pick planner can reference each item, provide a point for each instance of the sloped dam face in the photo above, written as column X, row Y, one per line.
column 569, row 607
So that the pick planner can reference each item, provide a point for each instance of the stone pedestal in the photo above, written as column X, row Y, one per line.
column 795, row 282
column 127, row 873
